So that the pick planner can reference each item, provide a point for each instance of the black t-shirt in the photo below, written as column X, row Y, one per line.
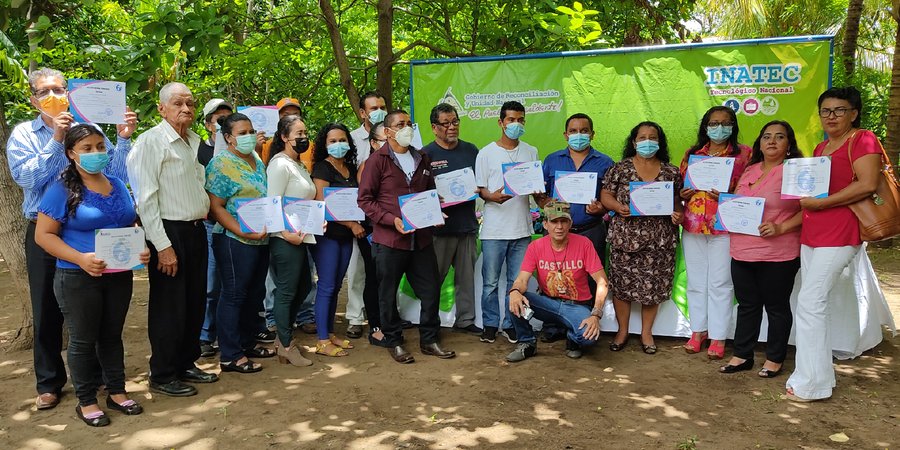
column 204, row 153
column 323, row 170
column 461, row 217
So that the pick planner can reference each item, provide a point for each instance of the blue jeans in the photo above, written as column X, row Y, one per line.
column 242, row 269
column 493, row 253
column 213, row 288
column 546, row 309
column 306, row 314
column 332, row 257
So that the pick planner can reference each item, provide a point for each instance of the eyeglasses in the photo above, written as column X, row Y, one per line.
column 447, row 125
column 402, row 125
column 838, row 112
column 40, row 93
column 724, row 124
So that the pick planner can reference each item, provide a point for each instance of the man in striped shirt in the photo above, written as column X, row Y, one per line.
column 36, row 157
column 167, row 180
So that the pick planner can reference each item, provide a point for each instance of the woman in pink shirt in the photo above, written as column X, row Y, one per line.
column 763, row 267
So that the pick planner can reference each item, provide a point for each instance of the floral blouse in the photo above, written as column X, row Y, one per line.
column 231, row 178
column 700, row 210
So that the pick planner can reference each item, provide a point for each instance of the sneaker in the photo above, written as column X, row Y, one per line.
column 523, row 351
column 511, row 335
column 208, row 349
column 469, row 329
column 265, row 337
column 573, row 350
column 488, row 335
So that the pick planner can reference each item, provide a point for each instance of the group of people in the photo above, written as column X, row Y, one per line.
column 216, row 287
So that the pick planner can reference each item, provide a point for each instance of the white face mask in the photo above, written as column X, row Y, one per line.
column 404, row 136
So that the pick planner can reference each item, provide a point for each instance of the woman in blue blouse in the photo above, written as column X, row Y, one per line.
column 94, row 300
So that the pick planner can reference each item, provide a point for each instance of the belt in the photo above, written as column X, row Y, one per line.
column 192, row 223
column 583, row 228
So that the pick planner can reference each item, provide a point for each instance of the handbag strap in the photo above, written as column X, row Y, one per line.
column 884, row 156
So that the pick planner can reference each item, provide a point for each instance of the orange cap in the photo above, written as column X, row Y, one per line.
column 287, row 101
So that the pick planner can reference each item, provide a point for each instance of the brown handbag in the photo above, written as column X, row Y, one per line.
column 879, row 213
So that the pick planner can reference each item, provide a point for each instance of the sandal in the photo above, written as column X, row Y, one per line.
column 716, row 350
column 649, row 349
column 260, row 352
column 247, row 367
column 617, row 347
column 330, row 349
column 769, row 373
column 94, row 419
column 344, row 344
column 695, row 344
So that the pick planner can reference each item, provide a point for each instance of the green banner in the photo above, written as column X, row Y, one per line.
column 761, row 80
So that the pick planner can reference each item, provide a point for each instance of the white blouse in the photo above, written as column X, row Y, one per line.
column 289, row 178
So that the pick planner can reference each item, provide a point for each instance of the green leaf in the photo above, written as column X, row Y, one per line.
column 154, row 31
column 565, row 10
column 577, row 6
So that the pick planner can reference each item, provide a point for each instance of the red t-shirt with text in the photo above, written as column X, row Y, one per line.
column 563, row 274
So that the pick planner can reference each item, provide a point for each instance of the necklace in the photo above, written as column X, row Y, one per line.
column 559, row 263
column 513, row 156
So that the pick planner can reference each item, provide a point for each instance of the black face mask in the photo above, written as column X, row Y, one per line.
column 301, row 145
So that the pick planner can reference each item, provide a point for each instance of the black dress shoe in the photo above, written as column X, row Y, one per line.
column 95, row 420
column 196, row 375
column 401, row 355
column 435, row 349
column 728, row 368
column 173, row 388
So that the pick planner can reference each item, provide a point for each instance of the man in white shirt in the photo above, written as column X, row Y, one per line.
column 168, row 184
column 506, row 229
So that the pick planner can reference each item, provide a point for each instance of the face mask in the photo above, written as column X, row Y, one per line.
column 404, row 136
column 338, row 149
column 377, row 116
column 301, row 145
column 719, row 133
column 53, row 104
column 246, row 143
column 647, row 148
column 579, row 141
column 514, row 130
column 93, row 163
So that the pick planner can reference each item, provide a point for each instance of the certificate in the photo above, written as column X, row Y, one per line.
column 705, row 173
column 304, row 216
column 738, row 214
column 806, row 177
column 263, row 118
column 340, row 204
column 256, row 214
column 654, row 198
column 523, row 178
column 575, row 187
column 421, row 210
column 120, row 248
column 97, row 101
column 456, row 187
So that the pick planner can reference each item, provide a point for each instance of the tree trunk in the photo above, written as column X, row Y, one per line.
column 385, row 62
column 12, row 236
column 892, row 140
column 340, row 54
column 851, row 35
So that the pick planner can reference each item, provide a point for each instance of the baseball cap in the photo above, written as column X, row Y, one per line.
column 214, row 104
column 556, row 210
column 288, row 101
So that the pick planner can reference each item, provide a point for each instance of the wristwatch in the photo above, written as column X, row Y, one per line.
column 597, row 312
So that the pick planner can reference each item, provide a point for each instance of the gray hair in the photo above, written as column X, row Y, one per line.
column 165, row 94
column 44, row 72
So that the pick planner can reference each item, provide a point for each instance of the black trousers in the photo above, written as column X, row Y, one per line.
column 177, row 304
column 95, row 310
column 759, row 285
column 49, row 369
column 370, row 288
column 420, row 267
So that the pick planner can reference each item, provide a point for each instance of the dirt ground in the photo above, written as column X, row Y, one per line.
column 625, row 400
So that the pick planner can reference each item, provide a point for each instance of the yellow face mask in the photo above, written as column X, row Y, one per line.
column 53, row 104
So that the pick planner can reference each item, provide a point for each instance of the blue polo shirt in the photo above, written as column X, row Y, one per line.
column 594, row 162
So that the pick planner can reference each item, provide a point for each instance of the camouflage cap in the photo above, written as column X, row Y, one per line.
column 556, row 210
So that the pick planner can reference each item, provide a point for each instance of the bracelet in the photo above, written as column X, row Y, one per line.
column 514, row 290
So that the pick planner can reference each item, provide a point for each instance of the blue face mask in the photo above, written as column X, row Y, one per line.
column 377, row 116
column 93, row 163
column 579, row 141
column 514, row 130
column 646, row 148
column 338, row 149
column 246, row 143
column 719, row 133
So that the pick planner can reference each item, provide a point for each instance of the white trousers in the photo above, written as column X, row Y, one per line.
column 820, row 267
column 710, row 293
column 356, row 282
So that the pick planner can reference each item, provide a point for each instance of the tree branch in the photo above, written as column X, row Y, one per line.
column 432, row 47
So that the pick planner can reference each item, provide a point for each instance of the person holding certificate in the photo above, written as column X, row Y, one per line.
column 335, row 166
column 642, row 248
column 93, row 301
column 289, row 265
column 706, row 250
column 830, row 236
column 764, row 267
column 242, row 257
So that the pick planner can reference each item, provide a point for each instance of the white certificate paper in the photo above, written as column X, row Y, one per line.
column 304, row 216
column 575, row 187
column 705, row 173
column 255, row 214
column 654, row 198
column 523, row 178
column 97, row 101
column 263, row 118
column 457, row 186
column 120, row 248
column 806, row 177
column 340, row 204
column 421, row 210
column 738, row 214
